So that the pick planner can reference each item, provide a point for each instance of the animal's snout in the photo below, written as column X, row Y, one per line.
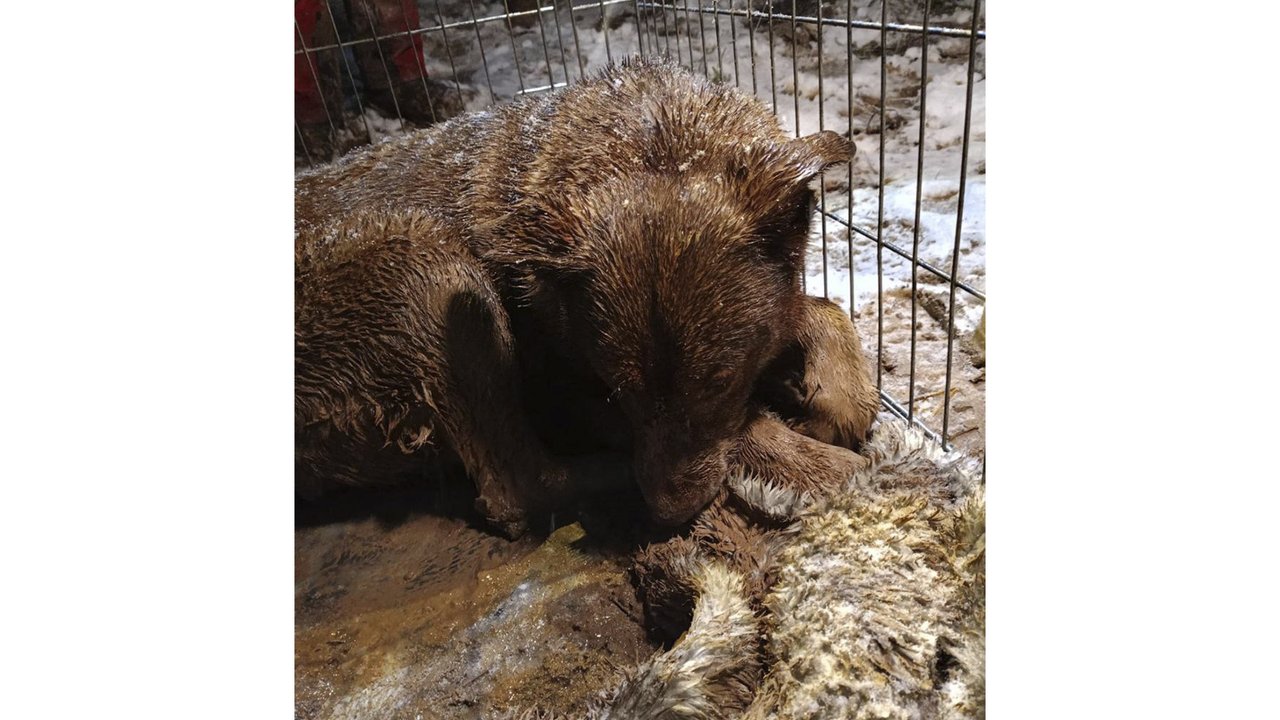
column 677, row 478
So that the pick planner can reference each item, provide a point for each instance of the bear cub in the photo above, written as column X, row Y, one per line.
column 535, row 291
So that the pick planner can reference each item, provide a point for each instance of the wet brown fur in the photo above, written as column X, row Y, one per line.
column 622, row 258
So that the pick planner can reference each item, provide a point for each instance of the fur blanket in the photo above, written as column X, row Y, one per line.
column 878, row 610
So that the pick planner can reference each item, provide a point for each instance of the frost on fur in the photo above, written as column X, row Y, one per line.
column 901, row 456
column 879, row 609
column 778, row 503
column 904, row 458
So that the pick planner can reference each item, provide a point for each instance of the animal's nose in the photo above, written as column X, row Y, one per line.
column 678, row 481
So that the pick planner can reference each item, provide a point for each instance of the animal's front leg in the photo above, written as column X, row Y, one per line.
column 772, row 452
column 513, row 471
column 842, row 396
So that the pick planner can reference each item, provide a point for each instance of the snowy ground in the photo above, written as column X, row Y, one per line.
column 482, row 58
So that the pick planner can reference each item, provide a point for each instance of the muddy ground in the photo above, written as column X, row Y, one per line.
column 406, row 607
column 966, row 423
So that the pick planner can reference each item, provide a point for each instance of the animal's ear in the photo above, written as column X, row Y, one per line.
column 783, row 202
column 812, row 154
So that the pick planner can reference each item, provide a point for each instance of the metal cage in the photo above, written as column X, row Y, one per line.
column 902, row 228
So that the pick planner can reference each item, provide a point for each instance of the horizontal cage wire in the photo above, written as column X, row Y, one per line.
column 899, row 233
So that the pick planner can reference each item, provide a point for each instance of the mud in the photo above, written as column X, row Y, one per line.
column 406, row 608
column 967, row 422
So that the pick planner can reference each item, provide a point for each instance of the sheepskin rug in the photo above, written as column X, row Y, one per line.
column 878, row 610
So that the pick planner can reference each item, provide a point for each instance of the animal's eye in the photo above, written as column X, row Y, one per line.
column 723, row 375
column 714, row 382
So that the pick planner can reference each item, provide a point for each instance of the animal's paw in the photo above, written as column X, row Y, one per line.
column 772, row 452
column 840, row 400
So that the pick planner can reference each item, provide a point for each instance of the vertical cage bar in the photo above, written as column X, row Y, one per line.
column 795, row 70
column 668, row 29
column 661, row 40
column 484, row 60
column 688, row 34
column 654, row 45
column 643, row 36
column 733, row 42
column 315, row 77
column 884, row 78
column 448, row 52
column 822, row 181
column 546, row 50
column 667, row 32
column 422, row 66
column 564, row 62
column 351, row 76
column 751, row 48
column 955, row 251
column 303, row 140
column 773, row 75
column 577, row 48
column 915, row 230
column 795, row 98
column 651, row 20
column 849, row 99
column 715, row 19
column 515, row 51
column 702, row 40
column 604, row 28
column 382, row 58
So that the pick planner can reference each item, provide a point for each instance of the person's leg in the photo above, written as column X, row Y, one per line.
column 393, row 67
column 317, row 83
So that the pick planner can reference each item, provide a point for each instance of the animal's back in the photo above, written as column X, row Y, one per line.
column 420, row 172
column 519, row 173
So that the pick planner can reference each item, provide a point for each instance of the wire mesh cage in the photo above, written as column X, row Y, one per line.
column 899, row 234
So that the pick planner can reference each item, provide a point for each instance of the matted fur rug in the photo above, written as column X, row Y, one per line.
column 879, row 610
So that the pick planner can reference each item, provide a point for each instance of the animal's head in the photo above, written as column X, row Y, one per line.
column 679, row 289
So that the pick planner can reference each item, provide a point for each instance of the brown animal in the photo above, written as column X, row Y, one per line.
column 613, row 267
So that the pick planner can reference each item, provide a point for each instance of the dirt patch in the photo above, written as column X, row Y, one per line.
column 966, row 426
column 429, row 615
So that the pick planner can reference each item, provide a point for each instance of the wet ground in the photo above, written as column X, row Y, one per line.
column 966, row 423
column 406, row 607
